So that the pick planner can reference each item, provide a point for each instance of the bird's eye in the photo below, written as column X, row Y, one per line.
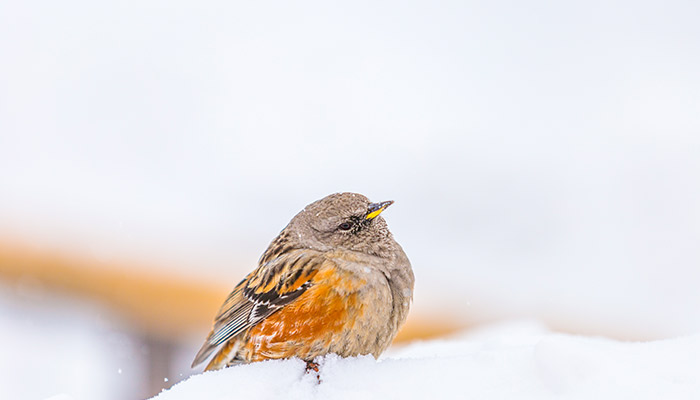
column 345, row 226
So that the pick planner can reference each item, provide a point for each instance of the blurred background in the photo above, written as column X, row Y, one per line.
column 544, row 158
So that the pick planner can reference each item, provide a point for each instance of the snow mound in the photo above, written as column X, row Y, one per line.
column 514, row 362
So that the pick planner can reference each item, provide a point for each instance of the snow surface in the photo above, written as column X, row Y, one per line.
column 521, row 361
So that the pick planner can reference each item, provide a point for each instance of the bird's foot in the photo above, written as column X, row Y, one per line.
column 312, row 366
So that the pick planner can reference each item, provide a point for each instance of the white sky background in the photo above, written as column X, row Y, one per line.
column 544, row 157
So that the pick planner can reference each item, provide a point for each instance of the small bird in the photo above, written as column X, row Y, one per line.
column 333, row 281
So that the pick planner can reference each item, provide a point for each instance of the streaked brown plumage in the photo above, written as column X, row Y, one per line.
column 333, row 281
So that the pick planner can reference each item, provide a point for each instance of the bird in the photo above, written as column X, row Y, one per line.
column 333, row 281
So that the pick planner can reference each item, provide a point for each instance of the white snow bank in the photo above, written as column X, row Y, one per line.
column 502, row 363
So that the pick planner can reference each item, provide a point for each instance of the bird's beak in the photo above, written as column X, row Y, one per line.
column 376, row 208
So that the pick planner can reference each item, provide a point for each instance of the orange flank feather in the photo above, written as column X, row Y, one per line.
column 329, row 307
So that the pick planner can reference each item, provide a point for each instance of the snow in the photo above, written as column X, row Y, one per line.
column 523, row 361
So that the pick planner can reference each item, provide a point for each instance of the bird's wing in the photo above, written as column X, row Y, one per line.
column 270, row 287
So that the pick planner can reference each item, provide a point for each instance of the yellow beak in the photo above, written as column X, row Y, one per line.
column 376, row 208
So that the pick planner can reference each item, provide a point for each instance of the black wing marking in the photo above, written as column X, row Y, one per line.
column 270, row 287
